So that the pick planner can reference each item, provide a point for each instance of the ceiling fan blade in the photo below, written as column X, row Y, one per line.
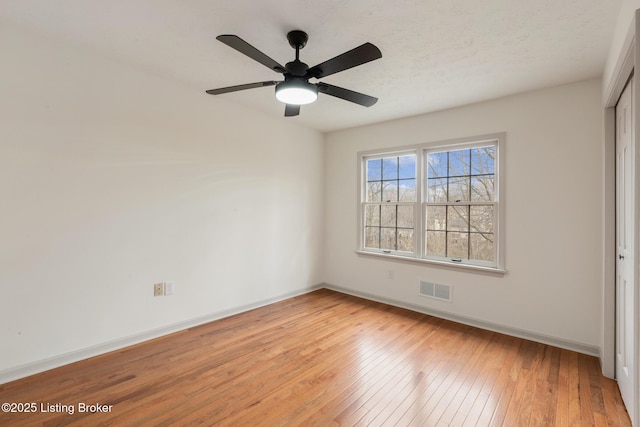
column 240, row 87
column 358, row 56
column 347, row 95
column 243, row 47
column 291, row 110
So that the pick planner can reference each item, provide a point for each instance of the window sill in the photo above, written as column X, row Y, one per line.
column 478, row 268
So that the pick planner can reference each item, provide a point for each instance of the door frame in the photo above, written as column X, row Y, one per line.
column 627, row 62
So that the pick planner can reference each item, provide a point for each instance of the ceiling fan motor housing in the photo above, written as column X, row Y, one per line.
column 296, row 68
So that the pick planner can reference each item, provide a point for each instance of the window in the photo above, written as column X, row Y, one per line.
column 437, row 202
column 390, row 203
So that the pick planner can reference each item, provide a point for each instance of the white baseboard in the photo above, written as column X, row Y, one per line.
column 507, row 330
column 96, row 350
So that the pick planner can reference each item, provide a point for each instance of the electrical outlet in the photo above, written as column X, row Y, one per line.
column 158, row 289
column 169, row 288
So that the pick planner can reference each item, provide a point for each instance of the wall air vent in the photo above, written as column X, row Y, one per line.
column 435, row 291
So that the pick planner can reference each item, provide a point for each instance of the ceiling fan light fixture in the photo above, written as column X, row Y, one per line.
column 296, row 92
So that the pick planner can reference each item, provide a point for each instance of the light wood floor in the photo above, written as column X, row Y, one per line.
column 327, row 359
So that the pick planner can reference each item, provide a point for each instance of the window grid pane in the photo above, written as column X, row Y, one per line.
column 481, row 246
column 389, row 226
column 460, row 231
column 391, row 179
column 461, row 175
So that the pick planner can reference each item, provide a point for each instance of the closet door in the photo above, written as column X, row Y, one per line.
column 626, row 327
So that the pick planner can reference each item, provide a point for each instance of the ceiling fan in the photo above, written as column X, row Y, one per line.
column 296, row 90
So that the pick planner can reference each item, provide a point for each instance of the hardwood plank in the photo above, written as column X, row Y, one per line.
column 326, row 359
column 563, row 387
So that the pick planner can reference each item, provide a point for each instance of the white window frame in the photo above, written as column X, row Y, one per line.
column 364, row 203
column 421, row 151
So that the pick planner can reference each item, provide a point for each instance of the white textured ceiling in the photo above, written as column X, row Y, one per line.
column 437, row 54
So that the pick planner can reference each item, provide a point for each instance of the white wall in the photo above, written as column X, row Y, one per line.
column 113, row 179
column 553, row 214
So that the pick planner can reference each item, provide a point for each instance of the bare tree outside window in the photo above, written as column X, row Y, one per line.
column 459, row 206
